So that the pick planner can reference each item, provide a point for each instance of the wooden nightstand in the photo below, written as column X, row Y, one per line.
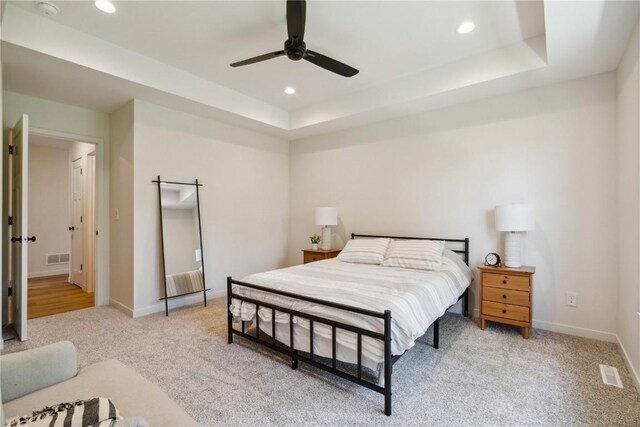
column 311, row 255
column 506, row 296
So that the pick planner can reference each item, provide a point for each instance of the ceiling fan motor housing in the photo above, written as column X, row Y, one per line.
column 295, row 50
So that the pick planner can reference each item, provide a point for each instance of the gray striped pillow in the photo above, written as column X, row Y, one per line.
column 364, row 251
column 415, row 254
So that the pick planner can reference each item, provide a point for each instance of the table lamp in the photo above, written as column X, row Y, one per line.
column 326, row 217
column 514, row 219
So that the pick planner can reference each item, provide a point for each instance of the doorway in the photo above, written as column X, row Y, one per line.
column 61, row 189
column 56, row 269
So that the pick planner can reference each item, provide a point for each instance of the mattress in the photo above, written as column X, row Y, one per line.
column 416, row 299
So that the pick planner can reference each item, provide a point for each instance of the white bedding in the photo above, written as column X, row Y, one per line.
column 416, row 299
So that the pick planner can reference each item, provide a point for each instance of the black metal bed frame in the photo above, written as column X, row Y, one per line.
column 296, row 356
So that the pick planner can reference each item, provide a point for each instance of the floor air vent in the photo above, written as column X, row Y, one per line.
column 53, row 259
column 610, row 376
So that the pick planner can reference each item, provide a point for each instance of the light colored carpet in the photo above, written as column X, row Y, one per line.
column 491, row 377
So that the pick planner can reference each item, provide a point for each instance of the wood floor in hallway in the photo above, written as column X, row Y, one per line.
column 53, row 295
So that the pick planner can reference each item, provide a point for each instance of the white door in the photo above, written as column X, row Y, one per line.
column 77, row 223
column 18, row 231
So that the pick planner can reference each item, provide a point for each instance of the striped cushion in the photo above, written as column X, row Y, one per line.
column 96, row 412
column 415, row 254
column 364, row 251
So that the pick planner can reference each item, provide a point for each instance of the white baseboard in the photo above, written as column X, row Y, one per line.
column 35, row 274
column 568, row 329
column 177, row 302
column 575, row 330
column 627, row 361
column 123, row 308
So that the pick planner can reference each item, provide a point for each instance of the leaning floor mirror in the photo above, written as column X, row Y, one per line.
column 181, row 236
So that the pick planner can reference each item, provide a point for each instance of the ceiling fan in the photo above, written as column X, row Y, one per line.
column 295, row 47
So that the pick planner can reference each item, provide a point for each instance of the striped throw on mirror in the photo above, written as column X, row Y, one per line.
column 184, row 283
column 415, row 254
column 364, row 251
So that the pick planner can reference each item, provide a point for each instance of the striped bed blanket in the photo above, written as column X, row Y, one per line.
column 416, row 299
column 185, row 282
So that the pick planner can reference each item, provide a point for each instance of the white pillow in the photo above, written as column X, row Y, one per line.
column 415, row 254
column 364, row 251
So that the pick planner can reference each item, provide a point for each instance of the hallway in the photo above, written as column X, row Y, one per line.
column 53, row 295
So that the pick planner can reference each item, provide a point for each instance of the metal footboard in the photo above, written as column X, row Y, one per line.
column 312, row 359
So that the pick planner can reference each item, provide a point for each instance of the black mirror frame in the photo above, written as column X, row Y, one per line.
column 164, row 273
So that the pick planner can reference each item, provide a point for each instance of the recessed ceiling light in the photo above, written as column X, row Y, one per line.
column 289, row 91
column 105, row 6
column 466, row 27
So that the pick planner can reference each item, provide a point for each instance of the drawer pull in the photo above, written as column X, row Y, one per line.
column 315, row 259
column 504, row 311
column 504, row 282
column 504, row 296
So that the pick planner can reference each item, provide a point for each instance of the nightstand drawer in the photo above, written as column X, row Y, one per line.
column 506, row 296
column 312, row 257
column 506, row 311
column 506, row 281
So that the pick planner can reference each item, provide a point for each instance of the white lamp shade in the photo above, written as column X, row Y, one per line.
column 326, row 216
column 517, row 217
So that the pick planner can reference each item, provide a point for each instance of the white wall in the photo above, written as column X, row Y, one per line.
column 49, row 213
column 629, row 204
column 122, row 239
column 80, row 149
column 67, row 121
column 55, row 116
column 441, row 173
column 244, row 200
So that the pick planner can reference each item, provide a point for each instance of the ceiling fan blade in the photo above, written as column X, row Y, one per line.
column 330, row 64
column 258, row 58
column 296, row 15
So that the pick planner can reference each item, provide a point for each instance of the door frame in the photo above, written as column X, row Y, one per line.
column 101, row 209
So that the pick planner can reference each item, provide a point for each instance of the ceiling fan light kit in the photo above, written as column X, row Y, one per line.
column 296, row 49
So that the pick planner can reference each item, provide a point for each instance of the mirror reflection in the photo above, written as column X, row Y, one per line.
column 181, row 239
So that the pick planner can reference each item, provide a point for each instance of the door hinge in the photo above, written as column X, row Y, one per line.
column 11, row 149
column 81, row 218
column 80, row 171
column 80, row 267
column 96, row 232
column 9, row 291
column 10, row 220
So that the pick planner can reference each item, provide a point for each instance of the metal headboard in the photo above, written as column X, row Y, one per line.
column 465, row 242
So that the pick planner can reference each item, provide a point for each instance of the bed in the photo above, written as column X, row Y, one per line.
column 331, row 313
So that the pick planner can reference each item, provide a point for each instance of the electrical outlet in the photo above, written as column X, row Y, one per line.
column 572, row 299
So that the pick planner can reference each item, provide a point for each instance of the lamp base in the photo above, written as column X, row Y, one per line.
column 325, row 244
column 512, row 250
